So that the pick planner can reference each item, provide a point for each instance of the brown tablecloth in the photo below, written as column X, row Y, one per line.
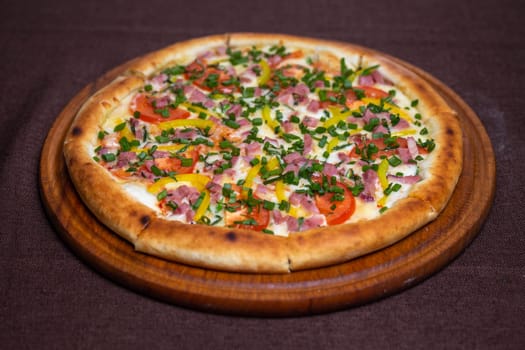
column 52, row 299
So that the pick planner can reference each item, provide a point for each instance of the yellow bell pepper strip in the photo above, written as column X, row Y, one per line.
column 281, row 196
column 167, row 148
column 381, row 174
column 203, row 206
column 198, row 110
column 184, row 123
column 404, row 132
column 248, row 182
column 394, row 109
column 196, row 180
column 273, row 164
column 381, row 203
column 279, row 191
column 337, row 116
column 267, row 117
column 266, row 73
column 333, row 142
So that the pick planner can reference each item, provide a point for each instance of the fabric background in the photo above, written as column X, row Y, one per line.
column 49, row 298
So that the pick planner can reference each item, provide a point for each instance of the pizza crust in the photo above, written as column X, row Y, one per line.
column 99, row 190
column 244, row 250
column 215, row 247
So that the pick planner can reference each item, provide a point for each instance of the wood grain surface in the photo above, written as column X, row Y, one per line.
column 361, row 280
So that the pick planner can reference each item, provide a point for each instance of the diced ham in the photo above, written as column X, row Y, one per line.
column 313, row 222
column 404, row 154
column 330, row 170
column 292, row 223
column 313, row 106
column 300, row 199
column 125, row 158
column 162, row 102
column 378, row 77
column 274, row 60
column 185, row 134
column 271, row 141
column 380, row 129
column 409, row 180
column 412, row 147
column 293, row 157
column 310, row 122
column 308, row 144
column 215, row 191
column 368, row 116
column 278, row 217
column 286, row 98
column 344, row 157
column 366, row 80
column 158, row 82
column 401, row 125
column 288, row 126
column 161, row 154
column 301, row 89
column 261, row 190
column 138, row 127
column 369, row 181
column 252, row 149
column 292, row 167
column 319, row 84
column 197, row 96
column 236, row 110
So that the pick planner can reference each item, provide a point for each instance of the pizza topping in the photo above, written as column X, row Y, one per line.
column 267, row 138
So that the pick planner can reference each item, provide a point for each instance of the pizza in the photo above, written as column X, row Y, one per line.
column 264, row 153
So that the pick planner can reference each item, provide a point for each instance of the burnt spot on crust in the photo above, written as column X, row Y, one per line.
column 231, row 236
column 145, row 219
column 77, row 131
column 450, row 131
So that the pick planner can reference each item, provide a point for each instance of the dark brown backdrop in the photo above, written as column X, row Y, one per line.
column 50, row 298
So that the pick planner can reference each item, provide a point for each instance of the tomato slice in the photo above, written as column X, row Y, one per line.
column 336, row 212
column 201, row 74
column 175, row 164
column 372, row 92
column 380, row 144
column 148, row 114
column 258, row 218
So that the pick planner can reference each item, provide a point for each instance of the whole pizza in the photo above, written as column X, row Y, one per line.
column 264, row 153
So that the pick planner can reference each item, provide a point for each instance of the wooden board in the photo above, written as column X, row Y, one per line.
column 361, row 280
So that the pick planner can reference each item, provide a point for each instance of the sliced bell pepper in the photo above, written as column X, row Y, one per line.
column 267, row 117
column 181, row 123
column 266, row 73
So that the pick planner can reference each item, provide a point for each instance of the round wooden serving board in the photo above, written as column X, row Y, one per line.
column 358, row 281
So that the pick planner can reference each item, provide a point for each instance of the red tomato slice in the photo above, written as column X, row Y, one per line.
column 260, row 215
column 175, row 164
column 342, row 211
column 200, row 72
column 372, row 92
column 147, row 112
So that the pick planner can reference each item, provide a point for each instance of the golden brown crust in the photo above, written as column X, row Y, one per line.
column 249, row 251
column 335, row 244
column 101, row 192
column 214, row 247
column 446, row 160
